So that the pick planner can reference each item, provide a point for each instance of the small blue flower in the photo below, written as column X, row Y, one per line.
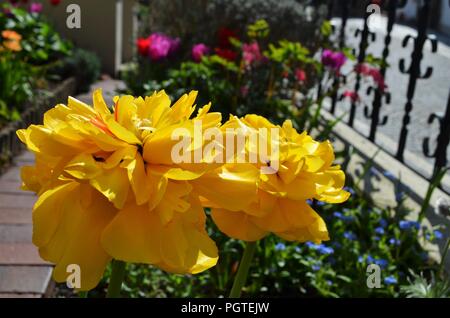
column 390, row 280
column 376, row 238
column 383, row 223
column 309, row 201
column 394, row 241
column 280, row 247
column 370, row 259
column 438, row 235
column 321, row 203
column 325, row 250
column 381, row 262
column 406, row 225
column 350, row 190
column 329, row 282
column 298, row 249
column 321, row 248
column 360, row 259
column 337, row 215
column 311, row 245
column 316, row 267
column 379, row 230
column 349, row 235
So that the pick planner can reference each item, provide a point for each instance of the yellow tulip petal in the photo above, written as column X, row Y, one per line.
column 134, row 235
column 77, row 240
column 113, row 184
column 238, row 225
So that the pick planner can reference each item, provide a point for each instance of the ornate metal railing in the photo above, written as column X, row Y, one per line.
column 340, row 10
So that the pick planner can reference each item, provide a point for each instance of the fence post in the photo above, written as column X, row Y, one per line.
column 377, row 103
column 345, row 10
column 363, row 44
column 443, row 139
column 414, row 69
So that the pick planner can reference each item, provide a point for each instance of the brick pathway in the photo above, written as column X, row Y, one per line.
column 22, row 272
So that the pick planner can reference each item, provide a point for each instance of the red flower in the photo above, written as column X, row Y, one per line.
column 143, row 45
column 226, row 54
column 300, row 75
column 224, row 37
column 55, row 2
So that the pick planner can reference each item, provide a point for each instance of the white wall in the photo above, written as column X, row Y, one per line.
column 99, row 29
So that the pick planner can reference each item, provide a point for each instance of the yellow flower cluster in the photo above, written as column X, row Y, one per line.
column 109, row 187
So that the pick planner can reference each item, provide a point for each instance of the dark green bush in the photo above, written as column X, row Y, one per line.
column 84, row 65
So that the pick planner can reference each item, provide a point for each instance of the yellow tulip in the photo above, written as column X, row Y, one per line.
column 108, row 187
column 304, row 171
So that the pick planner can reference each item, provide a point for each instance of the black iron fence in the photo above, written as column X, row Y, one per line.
column 415, row 72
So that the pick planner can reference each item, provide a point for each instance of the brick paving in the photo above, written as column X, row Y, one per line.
column 22, row 272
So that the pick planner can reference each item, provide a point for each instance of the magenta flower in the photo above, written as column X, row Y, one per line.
column 251, row 53
column 333, row 60
column 36, row 7
column 198, row 51
column 162, row 46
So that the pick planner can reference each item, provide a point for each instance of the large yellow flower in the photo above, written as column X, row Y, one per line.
column 304, row 171
column 109, row 188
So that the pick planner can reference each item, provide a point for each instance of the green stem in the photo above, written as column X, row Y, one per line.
column 83, row 294
column 241, row 276
column 115, row 281
column 441, row 266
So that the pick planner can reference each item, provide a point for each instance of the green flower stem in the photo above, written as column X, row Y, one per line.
column 241, row 276
column 115, row 281
column 83, row 294
column 444, row 255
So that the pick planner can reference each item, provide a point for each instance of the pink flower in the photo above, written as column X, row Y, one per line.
column 300, row 75
column 35, row 7
column 161, row 46
column 251, row 53
column 378, row 79
column 334, row 60
column 198, row 51
column 354, row 97
column 372, row 72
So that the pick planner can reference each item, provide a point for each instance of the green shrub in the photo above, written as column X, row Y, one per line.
column 84, row 65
